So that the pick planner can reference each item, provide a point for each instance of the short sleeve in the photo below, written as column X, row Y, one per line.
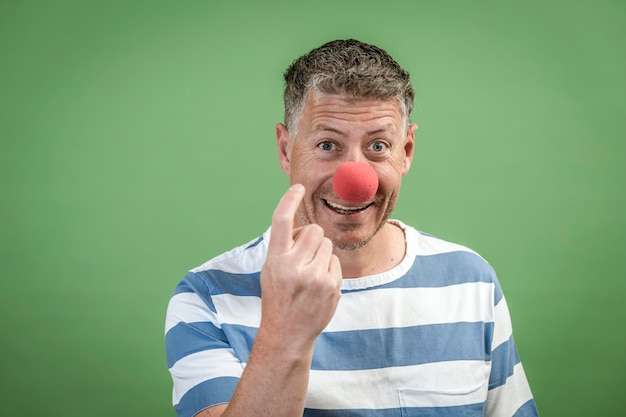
column 203, row 365
column 509, row 394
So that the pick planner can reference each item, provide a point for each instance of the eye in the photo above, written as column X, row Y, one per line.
column 326, row 146
column 378, row 147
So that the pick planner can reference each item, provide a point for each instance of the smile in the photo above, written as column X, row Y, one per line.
column 343, row 209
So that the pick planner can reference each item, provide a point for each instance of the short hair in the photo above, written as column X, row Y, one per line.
column 350, row 68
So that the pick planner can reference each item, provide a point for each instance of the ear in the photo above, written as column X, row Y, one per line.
column 284, row 144
column 409, row 148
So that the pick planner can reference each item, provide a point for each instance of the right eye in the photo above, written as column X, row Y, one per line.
column 326, row 146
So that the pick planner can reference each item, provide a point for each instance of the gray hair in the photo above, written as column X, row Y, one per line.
column 350, row 68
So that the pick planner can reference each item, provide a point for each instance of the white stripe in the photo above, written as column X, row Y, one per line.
column 202, row 366
column 429, row 245
column 187, row 307
column 241, row 310
column 506, row 399
column 383, row 308
column 503, row 329
column 429, row 385
column 233, row 261
column 403, row 307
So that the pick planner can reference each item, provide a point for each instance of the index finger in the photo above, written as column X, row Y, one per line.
column 283, row 218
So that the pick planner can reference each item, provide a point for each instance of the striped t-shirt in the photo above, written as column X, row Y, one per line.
column 431, row 337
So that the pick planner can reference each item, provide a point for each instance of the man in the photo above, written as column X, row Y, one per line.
column 359, row 315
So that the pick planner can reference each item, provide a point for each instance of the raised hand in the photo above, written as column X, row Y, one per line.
column 301, row 278
column 301, row 286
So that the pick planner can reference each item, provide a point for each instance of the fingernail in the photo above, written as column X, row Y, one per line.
column 297, row 187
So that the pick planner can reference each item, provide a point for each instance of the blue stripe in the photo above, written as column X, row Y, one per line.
column 240, row 339
column 185, row 339
column 443, row 270
column 498, row 295
column 427, row 271
column 359, row 412
column 194, row 283
column 471, row 410
column 380, row 348
column 186, row 285
column 529, row 409
column 503, row 360
column 220, row 282
column 256, row 242
column 208, row 393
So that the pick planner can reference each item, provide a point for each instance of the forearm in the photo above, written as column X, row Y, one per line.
column 274, row 382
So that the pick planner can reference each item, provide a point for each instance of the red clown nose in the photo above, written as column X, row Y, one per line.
column 355, row 182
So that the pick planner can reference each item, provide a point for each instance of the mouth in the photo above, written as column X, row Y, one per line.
column 338, row 208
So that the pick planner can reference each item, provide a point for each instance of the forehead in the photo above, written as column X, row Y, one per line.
column 327, row 110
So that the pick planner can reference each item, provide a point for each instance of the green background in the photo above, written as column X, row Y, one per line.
column 137, row 141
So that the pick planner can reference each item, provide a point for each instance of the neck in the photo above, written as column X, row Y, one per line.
column 385, row 251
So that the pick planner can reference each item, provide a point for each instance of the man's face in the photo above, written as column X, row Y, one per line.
column 332, row 131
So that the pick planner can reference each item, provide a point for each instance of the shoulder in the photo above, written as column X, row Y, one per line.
column 246, row 258
column 235, row 271
column 423, row 244
column 444, row 261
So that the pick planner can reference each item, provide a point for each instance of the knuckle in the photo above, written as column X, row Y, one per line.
column 314, row 229
column 311, row 234
column 327, row 243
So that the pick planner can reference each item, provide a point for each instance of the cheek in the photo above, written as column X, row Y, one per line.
column 389, row 176
column 398, row 164
column 302, row 164
column 308, row 168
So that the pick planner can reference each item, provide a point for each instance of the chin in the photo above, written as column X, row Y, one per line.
column 347, row 241
column 349, row 245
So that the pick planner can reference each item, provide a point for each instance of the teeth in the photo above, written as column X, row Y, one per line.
column 344, row 209
column 340, row 207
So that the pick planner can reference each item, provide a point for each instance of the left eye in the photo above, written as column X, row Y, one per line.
column 378, row 146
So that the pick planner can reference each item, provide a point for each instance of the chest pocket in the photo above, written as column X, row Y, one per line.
column 465, row 401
